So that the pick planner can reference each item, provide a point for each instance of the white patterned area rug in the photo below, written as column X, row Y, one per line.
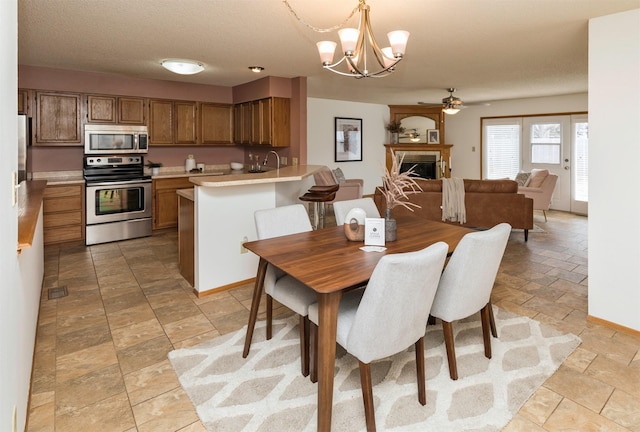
column 266, row 392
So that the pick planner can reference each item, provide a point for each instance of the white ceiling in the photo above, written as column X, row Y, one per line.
column 487, row 49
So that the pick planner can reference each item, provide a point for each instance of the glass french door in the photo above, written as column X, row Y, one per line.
column 560, row 144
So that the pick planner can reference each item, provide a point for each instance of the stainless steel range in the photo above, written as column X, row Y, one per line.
column 118, row 198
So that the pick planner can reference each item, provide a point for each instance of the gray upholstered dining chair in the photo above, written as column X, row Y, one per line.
column 388, row 316
column 341, row 208
column 466, row 284
column 288, row 291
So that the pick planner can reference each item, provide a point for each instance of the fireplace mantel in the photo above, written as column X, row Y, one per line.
column 443, row 149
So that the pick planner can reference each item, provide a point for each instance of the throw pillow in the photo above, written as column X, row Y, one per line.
column 522, row 178
column 537, row 177
column 339, row 175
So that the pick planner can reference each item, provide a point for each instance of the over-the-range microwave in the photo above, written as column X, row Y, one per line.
column 115, row 139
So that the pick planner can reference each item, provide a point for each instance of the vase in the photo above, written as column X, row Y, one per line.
column 394, row 138
column 155, row 171
column 390, row 227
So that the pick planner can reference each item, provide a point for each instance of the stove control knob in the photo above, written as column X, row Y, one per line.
column 98, row 160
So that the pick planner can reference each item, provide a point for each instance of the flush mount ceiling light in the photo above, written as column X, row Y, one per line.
column 358, row 44
column 182, row 67
column 256, row 69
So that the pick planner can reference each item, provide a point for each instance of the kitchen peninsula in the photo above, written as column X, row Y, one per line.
column 223, row 220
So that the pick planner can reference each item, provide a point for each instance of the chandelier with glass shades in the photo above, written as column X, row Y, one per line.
column 359, row 47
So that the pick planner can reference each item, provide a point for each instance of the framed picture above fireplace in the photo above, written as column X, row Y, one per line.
column 433, row 136
column 348, row 133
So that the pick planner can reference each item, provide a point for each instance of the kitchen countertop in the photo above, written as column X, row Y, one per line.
column 30, row 195
column 186, row 193
column 286, row 174
column 59, row 177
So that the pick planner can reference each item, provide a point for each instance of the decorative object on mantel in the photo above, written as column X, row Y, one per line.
column 396, row 128
column 154, row 167
column 396, row 188
column 354, row 224
column 358, row 44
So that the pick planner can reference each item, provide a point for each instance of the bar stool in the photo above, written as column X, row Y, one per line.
column 319, row 195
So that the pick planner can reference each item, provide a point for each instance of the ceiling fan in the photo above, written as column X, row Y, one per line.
column 451, row 104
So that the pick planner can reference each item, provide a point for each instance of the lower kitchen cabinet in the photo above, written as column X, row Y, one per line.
column 165, row 201
column 186, row 235
column 63, row 213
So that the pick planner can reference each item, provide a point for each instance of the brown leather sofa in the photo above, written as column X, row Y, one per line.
column 487, row 203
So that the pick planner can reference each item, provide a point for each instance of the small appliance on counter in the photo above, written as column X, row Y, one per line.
column 189, row 164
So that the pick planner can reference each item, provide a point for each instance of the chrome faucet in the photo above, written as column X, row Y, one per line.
column 277, row 159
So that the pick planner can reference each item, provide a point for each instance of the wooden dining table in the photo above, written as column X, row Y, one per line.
column 327, row 262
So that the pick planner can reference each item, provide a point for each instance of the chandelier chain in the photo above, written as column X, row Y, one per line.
column 321, row 30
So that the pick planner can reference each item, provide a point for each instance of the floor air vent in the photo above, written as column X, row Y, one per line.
column 58, row 292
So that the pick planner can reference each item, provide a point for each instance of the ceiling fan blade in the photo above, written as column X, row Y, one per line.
column 430, row 104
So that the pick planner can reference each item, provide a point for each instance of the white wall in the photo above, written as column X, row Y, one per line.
column 17, row 317
column 463, row 129
column 614, row 152
column 321, row 138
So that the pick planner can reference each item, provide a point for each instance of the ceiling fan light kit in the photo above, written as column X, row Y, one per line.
column 357, row 47
column 182, row 67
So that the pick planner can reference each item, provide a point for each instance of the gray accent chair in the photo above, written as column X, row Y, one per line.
column 388, row 316
column 341, row 208
column 466, row 284
column 278, row 285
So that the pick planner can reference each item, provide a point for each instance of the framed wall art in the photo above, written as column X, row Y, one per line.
column 348, row 146
column 433, row 136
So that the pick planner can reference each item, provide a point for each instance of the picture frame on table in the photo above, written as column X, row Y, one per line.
column 348, row 139
column 433, row 136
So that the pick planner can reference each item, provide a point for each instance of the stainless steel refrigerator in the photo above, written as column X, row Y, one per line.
column 24, row 136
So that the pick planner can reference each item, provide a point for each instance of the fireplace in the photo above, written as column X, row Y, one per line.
column 425, row 162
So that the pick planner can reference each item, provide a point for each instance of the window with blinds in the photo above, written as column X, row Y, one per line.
column 501, row 148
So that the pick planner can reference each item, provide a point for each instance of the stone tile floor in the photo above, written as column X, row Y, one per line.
column 101, row 352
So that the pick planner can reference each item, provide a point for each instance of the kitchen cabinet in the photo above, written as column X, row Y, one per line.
column 131, row 110
column 24, row 103
column 63, row 211
column 186, row 233
column 172, row 122
column 216, row 124
column 271, row 122
column 161, row 122
column 115, row 109
column 165, row 201
column 185, row 122
column 58, row 120
column 242, row 123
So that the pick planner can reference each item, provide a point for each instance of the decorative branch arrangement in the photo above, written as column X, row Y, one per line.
column 397, row 186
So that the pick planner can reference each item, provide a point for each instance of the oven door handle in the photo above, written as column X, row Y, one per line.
column 119, row 183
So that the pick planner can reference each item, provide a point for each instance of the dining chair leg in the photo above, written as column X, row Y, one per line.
column 269, row 316
column 304, row 345
column 255, row 303
column 451, row 350
column 422, row 391
column 367, row 396
column 492, row 321
column 486, row 336
column 313, row 352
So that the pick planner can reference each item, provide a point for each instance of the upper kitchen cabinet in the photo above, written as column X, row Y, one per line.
column 58, row 119
column 24, row 103
column 271, row 122
column 172, row 122
column 185, row 122
column 216, row 124
column 115, row 109
column 161, row 122
column 242, row 123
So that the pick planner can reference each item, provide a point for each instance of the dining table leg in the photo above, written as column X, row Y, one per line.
column 327, row 325
column 255, row 304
